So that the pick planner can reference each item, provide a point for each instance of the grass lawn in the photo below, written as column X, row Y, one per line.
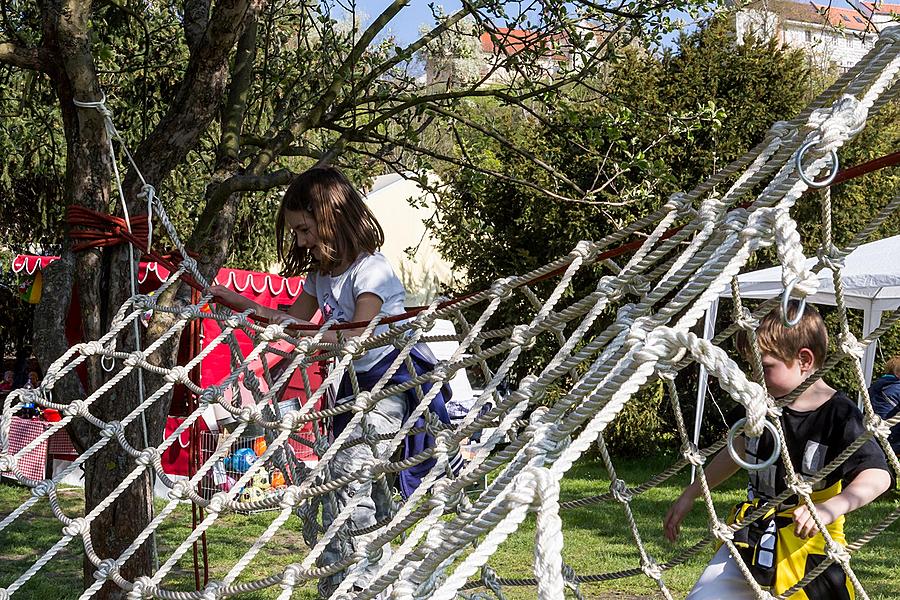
column 597, row 540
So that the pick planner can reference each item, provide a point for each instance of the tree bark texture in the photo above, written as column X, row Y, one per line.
column 102, row 277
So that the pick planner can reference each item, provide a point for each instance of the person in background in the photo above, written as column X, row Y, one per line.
column 7, row 384
column 885, row 395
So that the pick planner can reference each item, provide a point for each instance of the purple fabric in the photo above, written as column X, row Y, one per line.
column 413, row 444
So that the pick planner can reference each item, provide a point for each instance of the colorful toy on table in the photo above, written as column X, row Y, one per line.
column 252, row 494
column 259, row 445
column 261, row 479
column 278, row 479
column 228, row 483
column 241, row 460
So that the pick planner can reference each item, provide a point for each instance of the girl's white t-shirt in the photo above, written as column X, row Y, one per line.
column 337, row 294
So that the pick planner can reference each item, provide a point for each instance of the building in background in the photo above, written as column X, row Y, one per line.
column 833, row 37
column 408, row 243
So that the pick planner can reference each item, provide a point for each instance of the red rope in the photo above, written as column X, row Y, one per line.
column 99, row 230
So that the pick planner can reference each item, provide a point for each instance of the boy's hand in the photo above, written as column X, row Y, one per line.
column 804, row 525
column 677, row 512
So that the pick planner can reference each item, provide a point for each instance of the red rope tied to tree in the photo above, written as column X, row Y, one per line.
column 101, row 230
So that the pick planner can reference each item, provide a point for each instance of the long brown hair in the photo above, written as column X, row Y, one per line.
column 344, row 224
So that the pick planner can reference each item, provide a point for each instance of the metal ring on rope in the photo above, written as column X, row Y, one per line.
column 776, row 452
column 811, row 182
column 786, row 304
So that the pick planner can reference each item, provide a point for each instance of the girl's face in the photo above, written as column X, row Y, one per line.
column 302, row 224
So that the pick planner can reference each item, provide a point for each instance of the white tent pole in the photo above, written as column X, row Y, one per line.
column 709, row 331
column 871, row 321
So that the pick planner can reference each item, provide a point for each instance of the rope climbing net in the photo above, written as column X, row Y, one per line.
column 437, row 543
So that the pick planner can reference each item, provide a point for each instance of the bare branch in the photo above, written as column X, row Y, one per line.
column 515, row 148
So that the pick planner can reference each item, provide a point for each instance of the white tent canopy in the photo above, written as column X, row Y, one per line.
column 871, row 282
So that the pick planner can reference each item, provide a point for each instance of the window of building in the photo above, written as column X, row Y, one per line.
column 809, row 35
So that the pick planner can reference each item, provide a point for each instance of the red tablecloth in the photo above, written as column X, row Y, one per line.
column 34, row 464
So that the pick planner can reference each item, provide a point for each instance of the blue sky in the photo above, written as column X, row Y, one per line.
column 407, row 24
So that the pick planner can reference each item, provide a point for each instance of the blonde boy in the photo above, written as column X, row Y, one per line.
column 819, row 423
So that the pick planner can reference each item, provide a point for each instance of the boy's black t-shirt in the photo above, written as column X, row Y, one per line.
column 814, row 439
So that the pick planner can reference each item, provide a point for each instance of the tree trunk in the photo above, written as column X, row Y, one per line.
column 102, row 277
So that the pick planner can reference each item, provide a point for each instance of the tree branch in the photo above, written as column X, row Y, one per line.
column 25, row 58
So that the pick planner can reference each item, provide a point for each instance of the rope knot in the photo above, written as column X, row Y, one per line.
column 782, row 129
column 290, row 420
column 521, row 336
column 353, row 348
column 189, row 265
column 217, row 502
column 637, row 285
column 78, row 527
column 837, row 123
column 90, row 348
column 800, row 486
column 838, row 553
column 147, row 457
column 746, row 321
column 831, row 258
column 135, row 358
column 211, row 394
column 177, row 374
column 370, row 434
column 735, row 221
column 502, row 288
column 112, row 429
column 423, row 322
column 141, row 589
column 585, row 250
column 271, row 332
column 491, row 581
column 851, row 346
column 106, row 569
column 180, row 491
column 721, row 531
column 212, row 591
column 290, row 576
column 878, row 426
column 619, row 490
column 676, row 202
column 440, row 371
column 711, row 208
column 693, row 455
column 148, row 192
column 321, row 445
column 637, row 331
column 75, row 408
column 43, row 488
column 249, row 414
column 369, row 472
column 362, row 402
column 290, row 498
column 651, row 569
column 443, row 443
